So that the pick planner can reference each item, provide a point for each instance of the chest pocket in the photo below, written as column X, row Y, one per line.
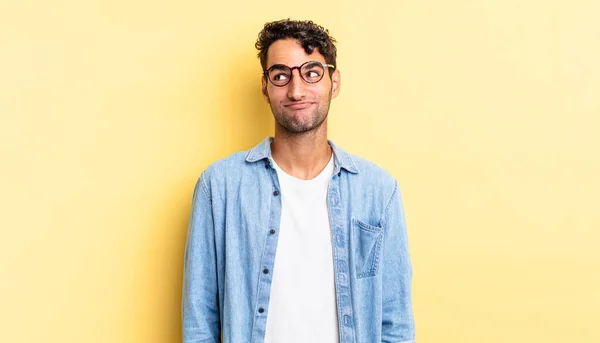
column 367, row 248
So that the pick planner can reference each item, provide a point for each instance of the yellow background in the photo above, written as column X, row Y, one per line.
column 487, row 112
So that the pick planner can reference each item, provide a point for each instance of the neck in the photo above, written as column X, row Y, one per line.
column 303, row 155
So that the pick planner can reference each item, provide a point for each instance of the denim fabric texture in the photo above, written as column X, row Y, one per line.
column 232, row 240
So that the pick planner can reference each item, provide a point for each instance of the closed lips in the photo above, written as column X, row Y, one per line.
column 299, row 105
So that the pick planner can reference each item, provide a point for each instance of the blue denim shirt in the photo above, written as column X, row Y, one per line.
column 232, row 239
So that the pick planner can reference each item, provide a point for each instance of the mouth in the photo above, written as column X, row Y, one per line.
column 298, row 105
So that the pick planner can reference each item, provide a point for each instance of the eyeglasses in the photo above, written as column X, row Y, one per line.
column 310, row 71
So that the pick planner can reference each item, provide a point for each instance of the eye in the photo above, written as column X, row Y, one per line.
column 312, row 73
column 279, row 77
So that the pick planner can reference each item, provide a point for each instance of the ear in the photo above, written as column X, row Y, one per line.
column 264, row 89
column 336, row 82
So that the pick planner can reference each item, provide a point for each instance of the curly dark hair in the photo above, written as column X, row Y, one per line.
column 310, row 35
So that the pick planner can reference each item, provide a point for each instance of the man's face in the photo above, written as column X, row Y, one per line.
column 298, row 106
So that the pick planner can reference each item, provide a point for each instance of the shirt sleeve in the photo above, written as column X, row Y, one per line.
column 200, row 299
column 397, row 314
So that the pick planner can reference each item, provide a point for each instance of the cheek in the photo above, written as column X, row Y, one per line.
column 276, row 95
column 325, row 93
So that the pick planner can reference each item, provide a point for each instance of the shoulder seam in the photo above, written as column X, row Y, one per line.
column 387, row 207
column 204, row 189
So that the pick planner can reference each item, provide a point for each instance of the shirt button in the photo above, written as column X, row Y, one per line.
column 261, row 310
column 276, row 193
column 265, row 271
column 272, row 231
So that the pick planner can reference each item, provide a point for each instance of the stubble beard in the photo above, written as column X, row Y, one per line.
column 292, row 125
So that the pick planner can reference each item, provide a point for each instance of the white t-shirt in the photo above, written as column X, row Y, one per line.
column 302, row 306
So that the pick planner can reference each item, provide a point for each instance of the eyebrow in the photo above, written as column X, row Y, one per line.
column 313, row 64
column 278, row 67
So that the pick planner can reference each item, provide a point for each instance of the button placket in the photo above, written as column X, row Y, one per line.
column 339, row 234
column 268, row 258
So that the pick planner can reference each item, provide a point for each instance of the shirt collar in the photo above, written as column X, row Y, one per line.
column 341, row 158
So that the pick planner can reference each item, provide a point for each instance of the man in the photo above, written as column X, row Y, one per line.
column 297, row 240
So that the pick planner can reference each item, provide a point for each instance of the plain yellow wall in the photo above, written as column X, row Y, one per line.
column 487, row 112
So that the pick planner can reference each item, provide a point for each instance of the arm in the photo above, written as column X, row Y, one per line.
column 398, row 323
column 200, row 304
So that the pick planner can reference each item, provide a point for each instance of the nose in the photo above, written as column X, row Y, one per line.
column 296, row 86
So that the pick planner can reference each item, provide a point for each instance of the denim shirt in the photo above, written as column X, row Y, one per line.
column 232, row 239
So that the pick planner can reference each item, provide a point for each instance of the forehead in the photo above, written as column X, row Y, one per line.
column 291, row 53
